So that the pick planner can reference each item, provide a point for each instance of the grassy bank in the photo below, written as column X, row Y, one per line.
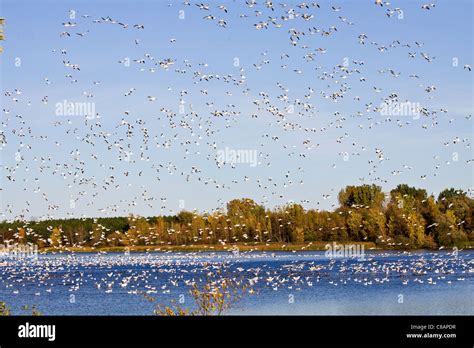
column 314, row 246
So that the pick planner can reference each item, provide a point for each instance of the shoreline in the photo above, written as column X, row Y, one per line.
column 273, row 247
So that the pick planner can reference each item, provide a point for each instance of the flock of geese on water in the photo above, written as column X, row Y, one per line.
column 151, row 273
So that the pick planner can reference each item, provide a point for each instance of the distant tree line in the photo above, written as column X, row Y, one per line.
column 407, row 217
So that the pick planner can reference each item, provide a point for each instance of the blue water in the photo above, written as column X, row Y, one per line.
column 404, row 283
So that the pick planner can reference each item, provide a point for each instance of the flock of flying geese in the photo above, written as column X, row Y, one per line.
column 140, row 143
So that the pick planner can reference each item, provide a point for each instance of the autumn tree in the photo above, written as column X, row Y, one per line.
column 21, row 235
column 56, row 237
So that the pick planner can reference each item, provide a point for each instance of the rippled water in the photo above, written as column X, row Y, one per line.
column 283, row 283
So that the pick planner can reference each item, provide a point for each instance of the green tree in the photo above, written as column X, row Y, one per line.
column 361, row 196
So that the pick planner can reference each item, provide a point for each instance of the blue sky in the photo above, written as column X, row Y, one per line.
column 33, row 36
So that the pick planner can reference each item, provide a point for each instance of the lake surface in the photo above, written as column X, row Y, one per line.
column 402, row 283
